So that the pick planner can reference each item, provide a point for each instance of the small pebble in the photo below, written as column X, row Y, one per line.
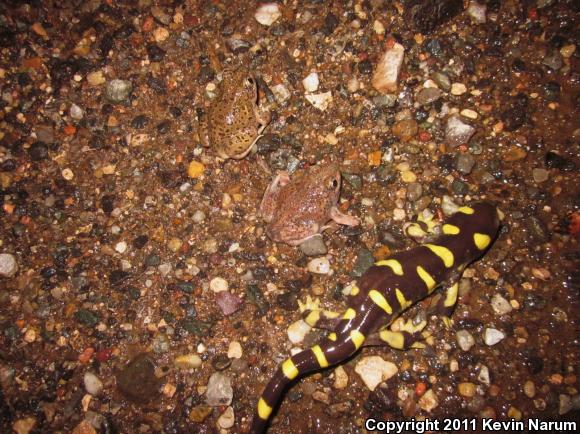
column 96, row 78
column 492, row 336
column 118, row 90
column 93, row 384
column 428, row 401
column 340, row 378
column 529, row 389
column 76, row 112
column 121, row 247
column 466, row 389
column 500, row 305
column 319, row 265
column 187, row 361
column 313, row 246
column 297, row 331
column 67, row 174
column 321, row 101
column 373, row 370
column 218, row 284
column 468, row 113
column 219, row 390
column 465, row 340
column 198, row 216
column 235, row 350
column 458, row 89
column 8, row 265
column 540, row 175
column 311, row 82
column 160, row 34
column 268, row 13
column 174, row 244
column 226, row 419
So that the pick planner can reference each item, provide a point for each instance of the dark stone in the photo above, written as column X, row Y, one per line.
column 517, row 115
column 330, row 24
column 552, row 91
column 363, row 262
column 163, row 127
column 556, row 161
column 426, row 15
column 8, row 165
column 116, row 277
column 206, row 74
column 140, row 241
column 38, row 151
column 152, row 260
column 137, row 381
column 221, row 362
column 287, row 301
column 195, row 327
column 365, row 67
column 158, row 84
column 518, row 65
column 108, row 203
column 86, row 317
column 155, row 53
column 256, row 297
column 175, row 111
column 139, row 122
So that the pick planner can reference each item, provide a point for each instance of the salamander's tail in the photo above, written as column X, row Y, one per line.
column 333, row 350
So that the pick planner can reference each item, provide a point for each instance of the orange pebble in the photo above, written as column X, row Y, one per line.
column 70, row 130
column 420, row 389
column 86, row 355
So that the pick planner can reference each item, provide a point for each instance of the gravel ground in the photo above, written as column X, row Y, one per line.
column 138, row 290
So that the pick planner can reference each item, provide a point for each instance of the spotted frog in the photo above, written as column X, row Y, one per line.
column 233, row 121
column 296, row 210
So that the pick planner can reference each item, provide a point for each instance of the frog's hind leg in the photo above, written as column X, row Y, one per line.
column 269, row 200
column 343, row 219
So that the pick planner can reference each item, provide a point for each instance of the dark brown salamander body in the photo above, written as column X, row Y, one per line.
column 383, row 292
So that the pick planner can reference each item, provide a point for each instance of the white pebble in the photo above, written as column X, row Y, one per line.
column 187, row 361
column 319, row 265
column 93, row 385
column 374, row 370
column 477, row 12
column 378, row 27
column 500, row 305
column 281, row 93
column 8, row 265
column 311, row 82
column 227, row 419
column 267, row 13
column 465, row 340
column 428, row 401
column 469, row 114
column 458, row 89
column 76, row 112
column 493, row 336
column 353, row 85
column 387, row 72
column 297, row 331
column 218, row 284
column 67, row 174
column 198, row 216
column 320, row 101
column 340, row 378
column 235, row 350
column 121, row 246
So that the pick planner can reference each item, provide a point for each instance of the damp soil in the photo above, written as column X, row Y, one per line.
column 138, row 289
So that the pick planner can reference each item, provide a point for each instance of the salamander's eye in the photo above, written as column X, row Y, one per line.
column 334, row 183
column 250, row 81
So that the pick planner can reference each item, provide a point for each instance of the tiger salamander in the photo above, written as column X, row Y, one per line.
column 384, row 291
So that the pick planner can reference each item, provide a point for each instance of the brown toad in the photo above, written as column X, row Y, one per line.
column 233, row 121
column 298, row 209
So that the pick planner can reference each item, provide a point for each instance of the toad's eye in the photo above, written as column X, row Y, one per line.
column 250, row 81
column 334, row 183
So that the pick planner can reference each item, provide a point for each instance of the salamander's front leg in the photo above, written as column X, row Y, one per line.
column 446, row 304
column 316, row 317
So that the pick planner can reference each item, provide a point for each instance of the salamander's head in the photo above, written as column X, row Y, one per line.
column 487, row 218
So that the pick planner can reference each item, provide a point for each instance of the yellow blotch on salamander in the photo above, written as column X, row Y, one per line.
column 402, row 300
column 466, row 210
column 451, row 295
column 481, row 240
column 450, row 229
column 443, row 252
column 349, row 314
column 427, row 278
column 394, row 339
column 357, row 338
column 332, row 336
column 264, row 410
column 393, row 264
column 320, row 357
column 380, row 301
column 289, row 369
